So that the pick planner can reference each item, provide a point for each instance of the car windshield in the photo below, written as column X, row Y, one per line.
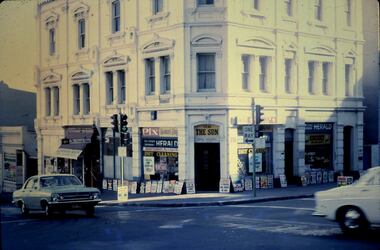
column 371, row 177
column 54, row 181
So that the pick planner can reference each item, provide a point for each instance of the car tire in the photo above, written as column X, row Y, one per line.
column 24, row 210
column 353, row 221
column 47, row 210
column 90, row 211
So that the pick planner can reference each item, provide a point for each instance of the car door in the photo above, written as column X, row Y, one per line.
column 35, row 195
column 373, row 192
column 27, row 192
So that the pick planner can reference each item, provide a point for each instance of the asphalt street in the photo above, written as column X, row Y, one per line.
column 286, row 224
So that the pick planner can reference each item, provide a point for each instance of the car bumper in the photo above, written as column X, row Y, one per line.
column 74, row 204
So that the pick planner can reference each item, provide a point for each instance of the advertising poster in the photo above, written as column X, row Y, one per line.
column 149, row 165
column 162, row 165
column 263, row 181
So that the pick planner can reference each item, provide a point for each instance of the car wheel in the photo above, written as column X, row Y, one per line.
column 90, row 211
column 352, row 220
column 48, row 210
column 24, row 210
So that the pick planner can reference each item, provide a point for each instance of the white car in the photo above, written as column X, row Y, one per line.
column 355, row 206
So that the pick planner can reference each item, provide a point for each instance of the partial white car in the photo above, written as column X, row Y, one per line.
column 355, row 207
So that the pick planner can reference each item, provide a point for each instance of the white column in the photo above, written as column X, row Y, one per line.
column 184, row 172
column 279, row 150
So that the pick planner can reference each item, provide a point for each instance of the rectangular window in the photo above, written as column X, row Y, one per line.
column 47, row 102
column 245, row 73
column 205, row 2
column 206, row 71
column 318, row 10
column 347, row 79
column 263, row 60
column 325, row 77
column 157, row 6
column 109, row 88
column 289, row 7
column 56, row 100
column 86, row 99
column 76, row 99
column 288, row 75
column 150, row 76
column 256, row 4
column 81, row 34
column 121, row 85
column 52, row 42
column 115, row 16
column 348, row 12
column 165, row 77
column 311, row 76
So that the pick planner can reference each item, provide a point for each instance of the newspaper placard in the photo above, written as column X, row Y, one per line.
column 142, row 188
column 122, row 193
column 149, row 165
column 104, row 184
column 133, row 187
column 303, row 180
column 319, row 177
column 148, row 187
column 109, row 184
column 165, row 188
column 283, row 181
column 313, row 178
column 263, row 181
column 190, row 187
column 331, row 176
column 325, row 177
column 224, row 185
column 172, row 186
column 178, row 187
column 153, row 188
column 257, row 182
column 341, row 181
column 114, row 185
column 270, row 181
column 248, row 184
column 159, row 186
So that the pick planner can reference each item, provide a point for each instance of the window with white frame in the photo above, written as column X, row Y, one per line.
column 47, row 102
column 245, row 73
column 325, row 77
column 263, row 73
column 288, row 75
column 76, row 99
column 206, row 71
column 121, row 86
column 288, row 7
column 347, row 79
column 81, row 33
column 115, row 16
column 205, row 2
column 311, row 76
column 109, row 88
column 348, row 11
column 318, row 9
column 165, row 74
column 56, row 101
column 86, row 98
column 157, row 6
column 52, row 41
column 150, row 76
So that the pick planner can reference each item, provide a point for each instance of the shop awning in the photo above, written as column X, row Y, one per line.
column 70, row 151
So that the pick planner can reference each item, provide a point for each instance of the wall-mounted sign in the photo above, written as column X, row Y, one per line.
column 159, row 132
column 206, row 131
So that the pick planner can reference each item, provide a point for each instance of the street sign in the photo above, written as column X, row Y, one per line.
column 260, row 143
column 122, row 151
column 249, row 134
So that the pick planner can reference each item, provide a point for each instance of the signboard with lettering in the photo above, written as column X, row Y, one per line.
column 283, row 181
column 190, row 187
column 148, row 165
column 159, row 132
column 178, row 187
column 206, row 130
column 224, row 185
column 248, row 184
column 122, row 193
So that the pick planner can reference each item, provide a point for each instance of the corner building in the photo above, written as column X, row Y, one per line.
column 185, row 73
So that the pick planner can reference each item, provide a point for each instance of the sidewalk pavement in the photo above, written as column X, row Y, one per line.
column 109, row 198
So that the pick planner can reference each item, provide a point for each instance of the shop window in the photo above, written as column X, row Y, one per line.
column 81, row 33
column 206, row 71
column 165, row 74
column 319, row 145
column 47, row 102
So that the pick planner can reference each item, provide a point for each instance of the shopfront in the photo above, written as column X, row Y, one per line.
column 319, row 145
column 159, row 148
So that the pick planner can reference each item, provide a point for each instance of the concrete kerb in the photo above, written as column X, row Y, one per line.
column 196, row 204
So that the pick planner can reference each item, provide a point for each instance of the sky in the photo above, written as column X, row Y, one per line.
column 18, row 43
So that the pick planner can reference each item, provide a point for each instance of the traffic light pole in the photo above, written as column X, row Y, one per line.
column 253, row 150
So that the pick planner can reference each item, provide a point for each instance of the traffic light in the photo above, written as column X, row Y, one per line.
column 123, row 123
column 115, row 122
column 259, row 114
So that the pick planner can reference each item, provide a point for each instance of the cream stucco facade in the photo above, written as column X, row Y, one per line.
column 305, row 72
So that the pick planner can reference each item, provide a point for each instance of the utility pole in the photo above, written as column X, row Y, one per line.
column 253, row 149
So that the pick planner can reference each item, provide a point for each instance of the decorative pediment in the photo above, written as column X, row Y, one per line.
column 258, row 42
column 350, row 53
column 206, row 40
column 80, row 76
column 52, row 20
column 158, row 44
column 81, row 11
column 290, row 47
column 51, row 77
column 115, row 60
column 321, row 50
